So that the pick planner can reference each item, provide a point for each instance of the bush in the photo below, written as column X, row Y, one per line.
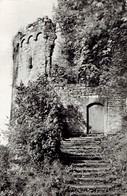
column 4, row 165
column 37, row 125
column 116, row 151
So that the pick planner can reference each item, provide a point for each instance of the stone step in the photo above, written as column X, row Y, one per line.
column 89, row 169
column 87, row 145
column 81, row 150
column 87, row 151
column 97, row 174
column 82, row 155
column 90, row 147
column 91, row 188
column 91, row 163
column 94, row 135
column 83, row 139
column 81, row 147
column 94, row 161
column 114, row 193
column 90, row 172
column 81, row 142
column 91, row 138
column 78, row 141
column 92, row 181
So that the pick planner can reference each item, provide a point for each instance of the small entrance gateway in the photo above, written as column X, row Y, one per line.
column 95, row 118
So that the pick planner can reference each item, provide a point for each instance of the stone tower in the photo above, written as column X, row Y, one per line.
column 32, row 51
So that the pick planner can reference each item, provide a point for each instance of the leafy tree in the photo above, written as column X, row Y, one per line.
column 93, row 32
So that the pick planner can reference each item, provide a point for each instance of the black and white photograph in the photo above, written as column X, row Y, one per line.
column 63, row 97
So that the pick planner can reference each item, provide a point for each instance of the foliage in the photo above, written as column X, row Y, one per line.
column 51, row 181
column 94, row 51
column 38, row 123
column 80, row 19
column 94, row 32
column 5, row 178
column 64, row 75
column 116, row 152
column 89, row 74
column 72, row 121
column 34, row 138
column 35, row 127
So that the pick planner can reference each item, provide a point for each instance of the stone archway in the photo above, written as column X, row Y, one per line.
column 95, row 118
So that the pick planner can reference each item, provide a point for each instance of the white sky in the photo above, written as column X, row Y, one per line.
column 15, row 14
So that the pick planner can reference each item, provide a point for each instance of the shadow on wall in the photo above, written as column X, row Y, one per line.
column 124, row 122
column 72, row 122
column 88, row 75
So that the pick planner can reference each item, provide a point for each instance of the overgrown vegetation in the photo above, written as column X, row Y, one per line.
column 4, row 166
column 35, row 139
column 115, row 149
column 93, row 52
column 29, row 181
column 95, row 36
column 38, row 123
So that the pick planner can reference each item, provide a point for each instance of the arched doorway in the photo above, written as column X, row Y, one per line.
column 95, row 118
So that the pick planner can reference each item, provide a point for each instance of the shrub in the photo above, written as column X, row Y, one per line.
column 37, row 125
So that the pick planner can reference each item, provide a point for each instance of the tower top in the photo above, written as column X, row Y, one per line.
column 42, row 25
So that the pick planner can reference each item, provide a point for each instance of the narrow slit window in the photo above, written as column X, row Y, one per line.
column 30, row 63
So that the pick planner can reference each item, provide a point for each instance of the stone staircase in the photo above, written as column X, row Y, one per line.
column 90, row 172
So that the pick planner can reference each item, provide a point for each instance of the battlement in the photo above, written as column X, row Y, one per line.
column 42, row 26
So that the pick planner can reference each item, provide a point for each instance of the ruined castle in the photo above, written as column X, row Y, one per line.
column 32, row 56
column 84, row 63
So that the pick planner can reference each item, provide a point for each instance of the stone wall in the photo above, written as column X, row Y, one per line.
column 81, row 96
